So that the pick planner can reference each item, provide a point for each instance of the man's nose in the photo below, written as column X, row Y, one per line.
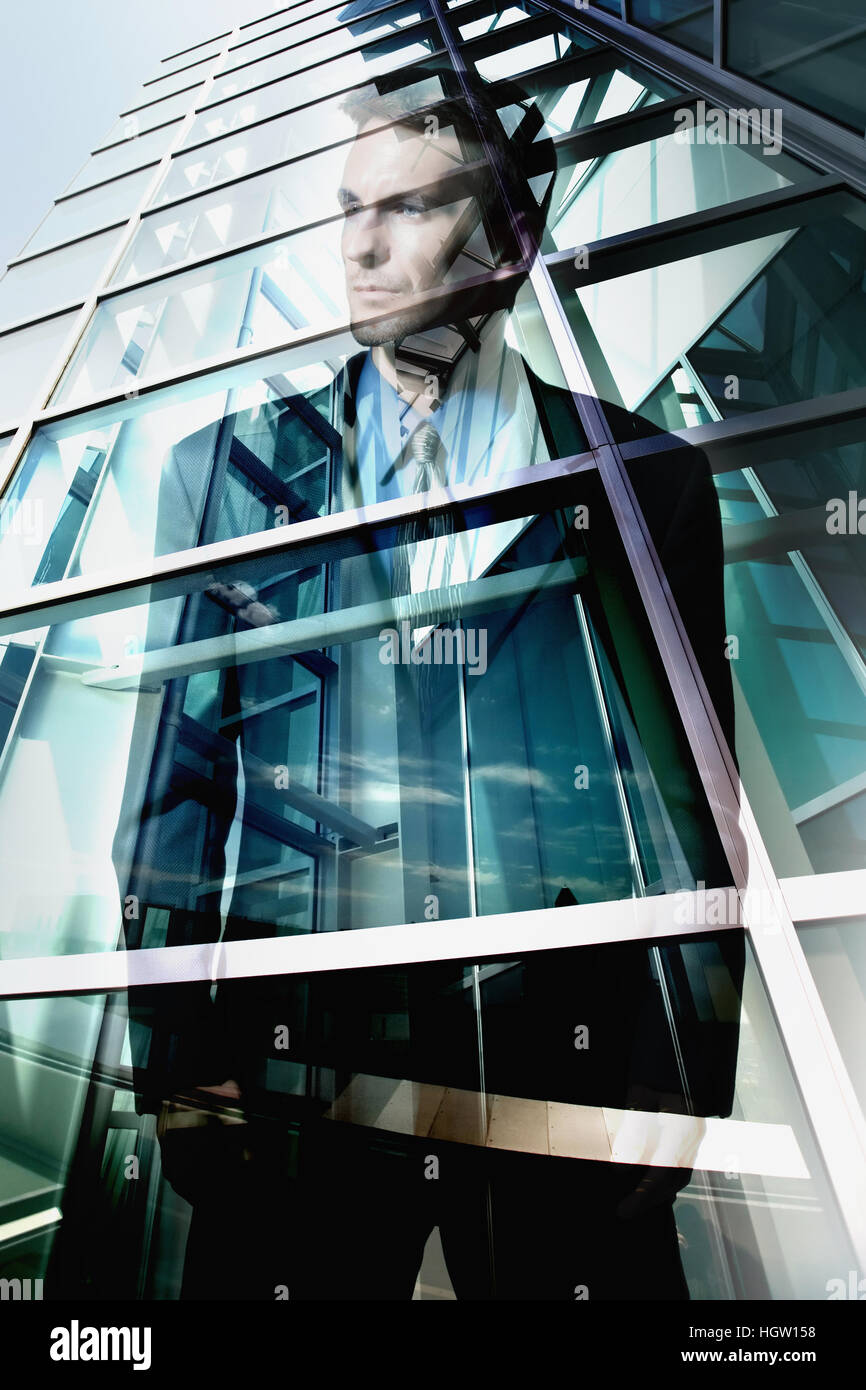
column 365, row 238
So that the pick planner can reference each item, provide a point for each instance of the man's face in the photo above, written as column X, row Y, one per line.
column 393, row 251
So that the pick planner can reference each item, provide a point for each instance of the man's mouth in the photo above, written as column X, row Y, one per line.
column 374, row 289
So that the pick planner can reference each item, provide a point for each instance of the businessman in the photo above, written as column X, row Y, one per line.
column 418, row 788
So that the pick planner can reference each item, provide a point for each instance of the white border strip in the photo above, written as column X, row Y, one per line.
column 501, row 934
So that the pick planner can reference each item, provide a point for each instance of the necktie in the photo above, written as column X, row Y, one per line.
column 424, row 454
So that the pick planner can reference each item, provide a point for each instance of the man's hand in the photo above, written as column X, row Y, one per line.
column 242, row 601
column 176, row 1114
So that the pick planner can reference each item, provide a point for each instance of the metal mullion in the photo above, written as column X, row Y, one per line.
column 61, row 245
column 704, row 231
column 480, row 9
column 824, row 422
column 164, row 76
column 524, row 492
column 817, row 1065
column 181, row 51
column 635, row 127
column 536, row 26
column 468, row 938
column 411, row 29
column 720, row 33
column 284, row 9
column 583, row 63
column 47, row 314
column 76, row 335
column 114, row 144
column 832, row 896
column 168, row 96
column 113, row 178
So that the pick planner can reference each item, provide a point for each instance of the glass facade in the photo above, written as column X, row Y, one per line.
column 432, row 673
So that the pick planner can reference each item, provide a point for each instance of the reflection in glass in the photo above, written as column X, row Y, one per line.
column 132, row 153
column 331, row 76
column 335, row 38
column 149, row 117
column 305, row 1167
column 654, row 182
column 276, row 138
column 326, row 744
column 679, row 21
column 836, row 952
column 90, row 211
column 54, row 279
column 813, row 53
column 26, row 354
column 532, row 53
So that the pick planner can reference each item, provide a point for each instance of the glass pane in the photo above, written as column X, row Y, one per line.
column 331, row 76
column 90, row 211
column 836, row 952
column 567, row 102
column 190, row 55
column 290, row 14
column 813, row 53
column 654, row 182
column 532, row 53
column 773, row 321
column 341, row 33
column 133, row 153
column 279, row 97
column 680, row 21
column 276, row 139
column 795, row 581
column 26, row 355
column 166, row 84
column 302, row 1172
column 285, row 199
column 794, row 330
column 497, row 19
column 353, row 736
column 55, row 279
column 148, row 117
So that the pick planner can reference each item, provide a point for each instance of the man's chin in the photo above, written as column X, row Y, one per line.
column 373, row 333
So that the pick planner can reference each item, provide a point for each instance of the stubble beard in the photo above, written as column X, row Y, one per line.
column 392, row 329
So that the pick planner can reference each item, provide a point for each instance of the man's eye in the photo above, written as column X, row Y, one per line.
column 410, row 209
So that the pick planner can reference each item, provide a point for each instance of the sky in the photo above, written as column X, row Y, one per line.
column 69, row 68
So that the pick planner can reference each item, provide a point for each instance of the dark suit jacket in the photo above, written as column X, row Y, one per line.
column 182, row 1037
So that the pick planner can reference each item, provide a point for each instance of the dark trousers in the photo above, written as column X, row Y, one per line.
column 351, row 1223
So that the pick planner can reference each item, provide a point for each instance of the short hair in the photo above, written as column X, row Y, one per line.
column 509, row 244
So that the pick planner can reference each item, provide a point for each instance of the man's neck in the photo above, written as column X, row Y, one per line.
column 413, row 389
